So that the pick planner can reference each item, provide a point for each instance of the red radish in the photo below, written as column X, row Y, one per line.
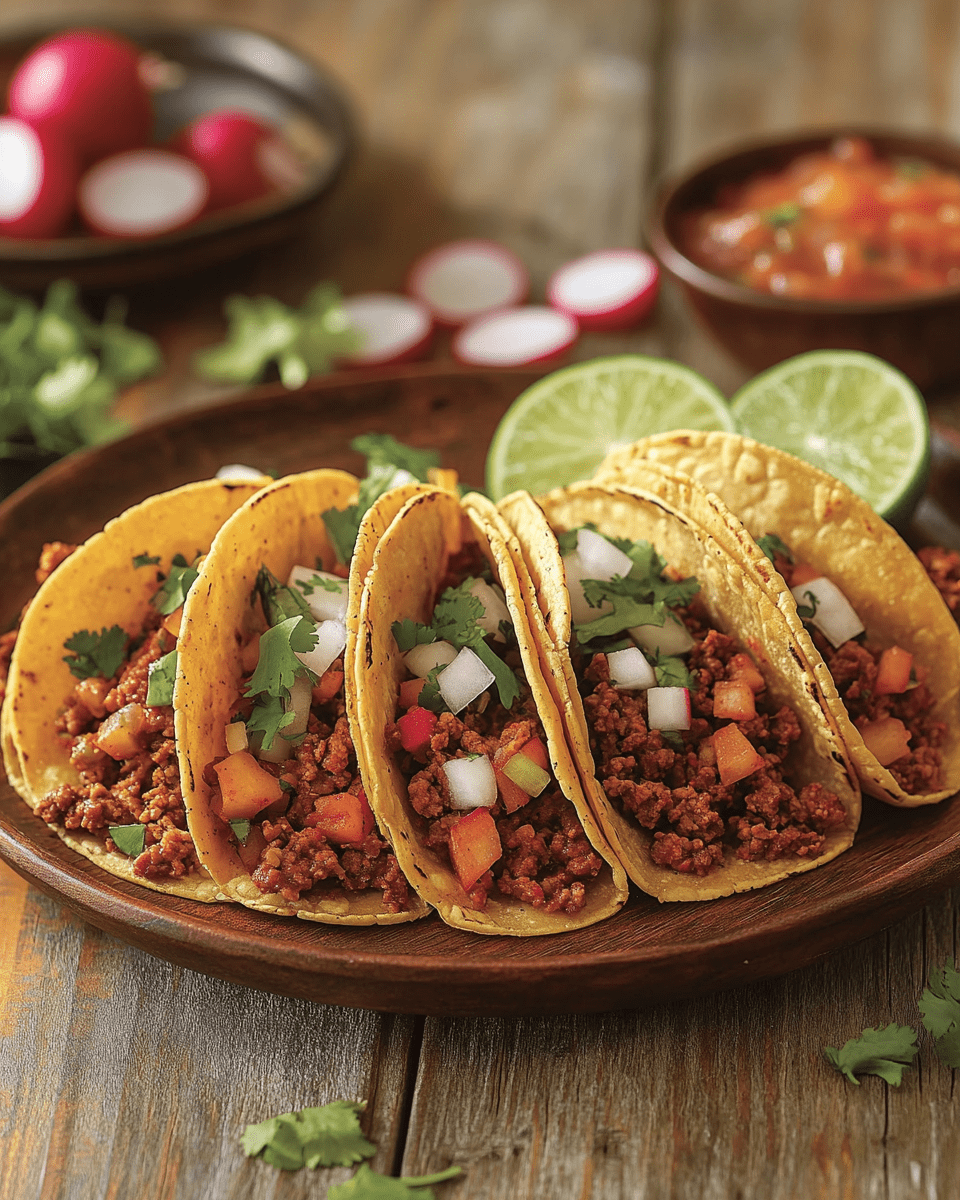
column 460, row 280
column 609, row 289
column 515, row 336
column 38, row 180
column 85, row 86
column 141, row 193
column 242, row 156
column 395, row 329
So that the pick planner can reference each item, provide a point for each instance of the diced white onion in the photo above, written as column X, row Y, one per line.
column 494, row 606
column 834, row 616
column 672, row 637
column 630, row 669
column 600, row 558
column 421, row 660
column 236, row 737
column 401, row 476
column 472, row 782
column 324, row 605
column 464, row 680
column 279, row 751
column 668, row 708
column 580, row 610
column 238, row 473
column 331, row 641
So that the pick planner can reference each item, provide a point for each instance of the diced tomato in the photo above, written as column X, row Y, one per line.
column 410, row 691
column 537, row 751
column 733, row 700
column 474, row 846
column 803, row 573
column 343, row 818
column 893, row 672
column 736, row 757
column 328, row 685
column 416, row 728
column 742, row 666
column 121, row 734
column 511, row 794
column 171, row 622
column 245, row 787
column 886, row 739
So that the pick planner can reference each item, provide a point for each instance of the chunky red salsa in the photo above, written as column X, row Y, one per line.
column 838, row 224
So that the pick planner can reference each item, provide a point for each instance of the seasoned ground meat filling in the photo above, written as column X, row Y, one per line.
column 943, row 567
column 144, row 789
column 547, row 860
column 285, row 852
column 669, row 783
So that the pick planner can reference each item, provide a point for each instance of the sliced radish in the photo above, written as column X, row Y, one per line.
column 609, row 289
column 668, row 708
column 471, row 781
column 464, row 680
column 85, row 86
column 142, row 193
column 462, row 280
column 243, row 156
column 629, row 669
column 394, row 329
column 822, row 603
column 38, row 180
column 514, row 337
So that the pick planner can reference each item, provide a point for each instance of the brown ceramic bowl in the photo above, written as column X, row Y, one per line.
column 206, row 67
column 917, row 333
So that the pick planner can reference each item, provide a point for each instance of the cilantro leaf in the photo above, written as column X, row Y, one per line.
column 278, row 665
column 567, row 538
column 161, row 676
column 407, row 634
column 129, row 839
column 96, row 653
column 430, row 693
column 626, row 614
column 506, row 681
column 328, row 1136
column 806, row 612
column 268, row 716
column 771, row 545
column 368, row 1185
column 146, row 560
column 456, row 619
column 309, row 586
column 382, row 449
column 885, row 1052
column 343, row 525
column 241, row 829
column 173, row 591
column 671, row 671
column 940, row 1009
column 278, row 601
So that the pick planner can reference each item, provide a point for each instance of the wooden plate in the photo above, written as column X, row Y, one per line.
column 648, row 953
column 206, row 66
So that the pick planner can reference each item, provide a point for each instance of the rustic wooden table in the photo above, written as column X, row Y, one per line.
column 544, row 125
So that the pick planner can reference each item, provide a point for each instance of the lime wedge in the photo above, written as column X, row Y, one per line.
column 852, row 415
column 562, row 427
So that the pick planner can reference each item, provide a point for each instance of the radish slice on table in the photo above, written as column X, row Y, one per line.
column 514, row 337
column 609, row 289
column 85, row 86
column 471, row 781
column 629, row 669
column 668, row 708
column 461, row 280
column 38, row 180
column 141, row 193
column 822, row 603
column 464, row 680
column 394, row 329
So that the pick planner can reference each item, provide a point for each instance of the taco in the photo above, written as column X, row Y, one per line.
column 88, row 735
column 460, row 739
column 883, row 645
column 275, row 798
column 697, row 729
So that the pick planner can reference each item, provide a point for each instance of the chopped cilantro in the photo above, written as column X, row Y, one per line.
column 885, row 1052
column 771, row 545
column 173, row 591
column 161, row 676
column 940, row 1010
column 408, row 634
column 328, row 1136
column 456, row 619
column 783, row 214
column 268, row 716
column 807, row 612
column 368, row 1185
column 241, row 829
column 96, row 653
column 626, row 614
column 671, row 671
column 146, row 560
column 343, row 525
column 278, row 601
column 309, row 586
column 129, row 839
column 278, row 665
column 430, row 693
column 382, row 449
column 567, row 538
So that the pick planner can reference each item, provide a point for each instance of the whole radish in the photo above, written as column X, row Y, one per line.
column 84, row 86
column 38, row 180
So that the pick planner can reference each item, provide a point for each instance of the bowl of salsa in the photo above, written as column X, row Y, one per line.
column 845, row 238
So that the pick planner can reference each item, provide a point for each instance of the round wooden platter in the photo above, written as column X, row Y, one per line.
column 648, row 953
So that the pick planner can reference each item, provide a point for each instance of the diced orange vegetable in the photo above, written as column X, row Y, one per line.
column 252, row 848
column 410, row 691
column 474, row 846
column 511, row 794
column 343, row 818
column 340, row 570
column 804, row 573
column 893, row 672
column 171, row 622
column 887, row 739
column 733, row 700
column 328, row 685
column 742, row 666
column 245, row 786
column 121, row 734
column 537, row 751
column 736, row 757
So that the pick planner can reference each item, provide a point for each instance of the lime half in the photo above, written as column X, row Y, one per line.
column 562, row 427
column 849, row 413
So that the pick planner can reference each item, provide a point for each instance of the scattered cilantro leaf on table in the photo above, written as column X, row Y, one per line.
column 328, row 1136
column 940, row 1010
column 885, row 1052
column 97, row 654
column 368, row 1185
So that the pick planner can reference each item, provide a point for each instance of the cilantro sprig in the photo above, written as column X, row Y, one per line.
column 173, row 591
column 885, row 1052
column 366, row 1184
column 96, row 654
column 276, row 670
column 772, row 546
column 327, row 1136
column 940, row 1011
column 161, row 676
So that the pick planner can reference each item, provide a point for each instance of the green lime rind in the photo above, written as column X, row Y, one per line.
column 561, row 428
column 849, row 413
